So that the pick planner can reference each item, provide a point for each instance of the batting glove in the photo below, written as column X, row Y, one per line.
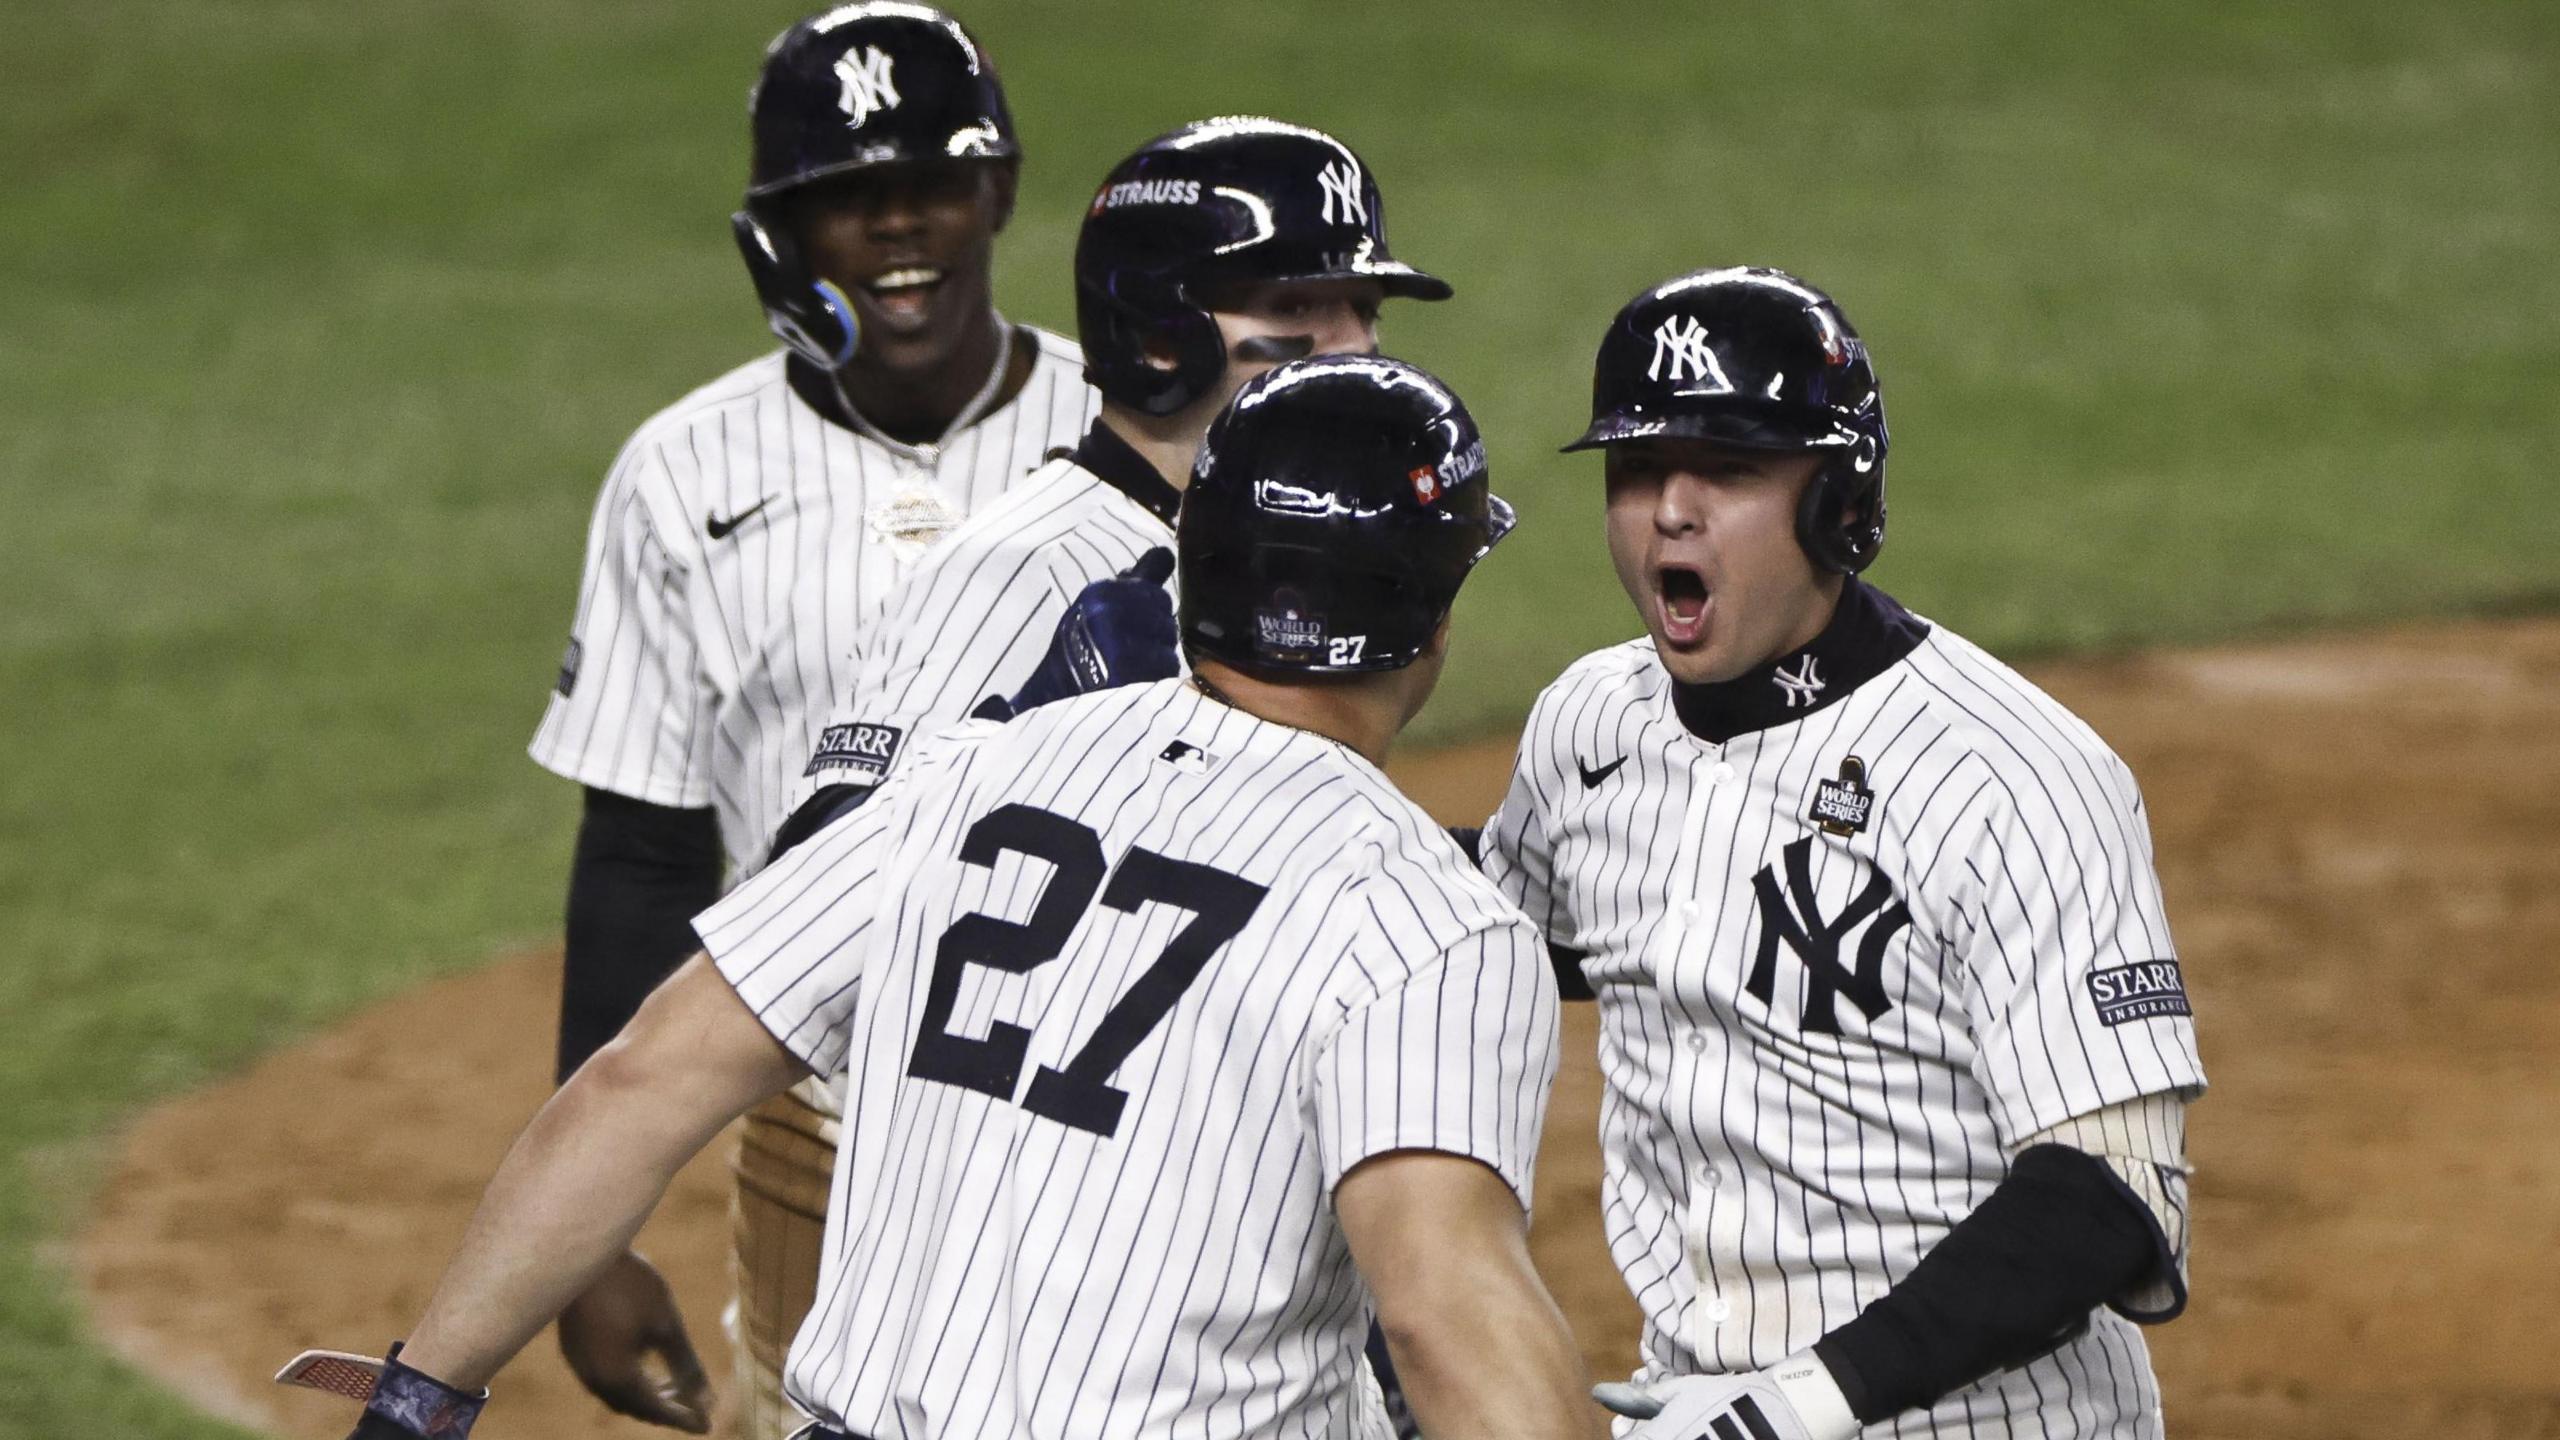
column 1795, row 1399
column 1117, row 632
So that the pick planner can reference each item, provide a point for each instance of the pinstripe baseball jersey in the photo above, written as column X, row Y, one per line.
column 974, row 618
column 739, row 545
column 1120, row 991
column 1859, row 922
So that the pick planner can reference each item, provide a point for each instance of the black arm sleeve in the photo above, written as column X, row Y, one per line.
column 641, row 874
column 816, row 813
column 2020, row 1275
column 1571, row 983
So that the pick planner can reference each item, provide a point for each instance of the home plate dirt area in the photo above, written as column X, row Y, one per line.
column 2360, row 838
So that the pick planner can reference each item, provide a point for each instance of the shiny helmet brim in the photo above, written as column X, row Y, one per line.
column 1741, row 428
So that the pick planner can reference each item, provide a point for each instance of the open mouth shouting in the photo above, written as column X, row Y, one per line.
column 1682, row 599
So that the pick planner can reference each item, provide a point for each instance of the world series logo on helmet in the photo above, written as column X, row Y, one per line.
column 1287, row 627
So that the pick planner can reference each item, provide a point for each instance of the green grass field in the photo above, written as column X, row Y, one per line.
column 323, row 321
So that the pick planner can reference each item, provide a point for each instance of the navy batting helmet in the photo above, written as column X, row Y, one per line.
column 1759, row 360
column 1337, row 505
column 1218, row 201
column 875, row 83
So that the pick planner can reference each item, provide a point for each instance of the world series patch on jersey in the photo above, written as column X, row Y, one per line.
column 1120, row 990
column 1896, row 917
column 738, row 549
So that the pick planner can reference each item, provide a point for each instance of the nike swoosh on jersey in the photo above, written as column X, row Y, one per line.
column 1591, row 778
column 719, row 529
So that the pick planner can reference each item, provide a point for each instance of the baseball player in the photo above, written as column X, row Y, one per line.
column 1177, row 1040
column 746, row 531
column 1896, row 1049
column 1209, row 255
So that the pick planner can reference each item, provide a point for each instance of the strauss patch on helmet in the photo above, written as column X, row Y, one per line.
column 1430, row 482
column 1146, row 192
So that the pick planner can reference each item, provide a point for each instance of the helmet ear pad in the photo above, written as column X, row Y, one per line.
column 1840, row 516
column 1123, row 366
column 810, row 316
column 1199, row 354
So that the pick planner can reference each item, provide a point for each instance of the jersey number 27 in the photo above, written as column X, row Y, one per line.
column 1080, row 1095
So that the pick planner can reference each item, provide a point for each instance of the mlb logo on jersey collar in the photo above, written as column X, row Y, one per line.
column 1841, row 806
column 1189, row 758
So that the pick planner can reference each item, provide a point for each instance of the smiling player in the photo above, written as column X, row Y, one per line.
column 1208, row 255
column 746, row 529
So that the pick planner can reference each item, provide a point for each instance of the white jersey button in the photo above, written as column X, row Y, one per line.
column 1688, row 912
column 1697, row 1042
column 1719, row 1310
column 1708, row 1175
column 1721, row 775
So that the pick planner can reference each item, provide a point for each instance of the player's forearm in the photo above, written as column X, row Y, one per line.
column 570, row 1195
column 583, row 1176
column 1493, row 1356
column 2052, row 1242
column 1480, row 1346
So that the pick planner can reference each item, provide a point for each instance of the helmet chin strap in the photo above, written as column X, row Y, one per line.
column 1274, row 349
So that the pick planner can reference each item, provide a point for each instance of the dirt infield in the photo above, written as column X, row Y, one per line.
column 2360, row 839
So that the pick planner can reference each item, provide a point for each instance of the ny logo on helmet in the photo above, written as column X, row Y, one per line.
column 1342, row 203
column 867, row 86
column 1682, row 340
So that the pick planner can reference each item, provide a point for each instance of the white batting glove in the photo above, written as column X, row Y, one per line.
column 1795, row 1399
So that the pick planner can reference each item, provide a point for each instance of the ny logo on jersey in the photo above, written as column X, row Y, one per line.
column 1682, row 340
column 1795, row 917
column 1803, row 686
column 1342, row 202
column 867, row 86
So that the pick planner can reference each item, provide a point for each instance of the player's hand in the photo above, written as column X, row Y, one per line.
column 1795, row 1399
column 606, row 1335
column 1117, row 632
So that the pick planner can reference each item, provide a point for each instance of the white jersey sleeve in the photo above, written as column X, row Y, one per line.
column 628, row 711
column 1455, row 1056
column 973, row 620
column 968, row 624
column 2075, row 996
column 793, row 939
column 1518, row 851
